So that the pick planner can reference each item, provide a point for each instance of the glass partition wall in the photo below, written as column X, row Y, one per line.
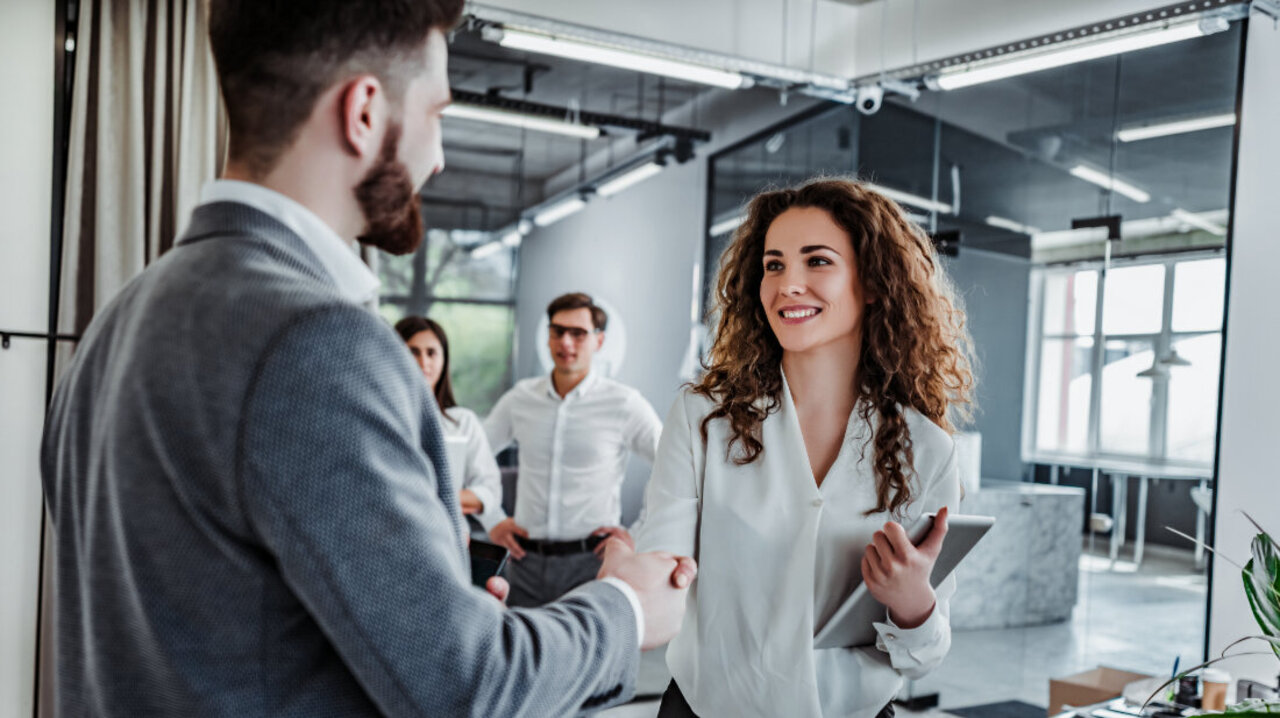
column 1098, row 358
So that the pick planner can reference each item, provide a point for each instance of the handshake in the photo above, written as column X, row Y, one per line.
column 660, row 579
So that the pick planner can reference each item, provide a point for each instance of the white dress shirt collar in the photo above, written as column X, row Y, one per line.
column 583, row 386
column 339, row 258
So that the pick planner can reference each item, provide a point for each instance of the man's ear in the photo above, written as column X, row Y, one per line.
column 599, row 340
column 362, row 107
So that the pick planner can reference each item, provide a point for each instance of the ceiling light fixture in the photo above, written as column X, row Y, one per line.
column 631, row 177
column 486, row 249
column 1176, row 127
column 912, row 199
column 1106, row 181
column 726, row 226
column 555, row 212
column 1011, row 225
column 522, row 120
column 1073, row 52
column 1196, row 220
column 615, row 57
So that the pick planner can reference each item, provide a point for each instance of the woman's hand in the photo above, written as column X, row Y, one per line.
column 897, row 573
column 471, row 504
column 504, row 534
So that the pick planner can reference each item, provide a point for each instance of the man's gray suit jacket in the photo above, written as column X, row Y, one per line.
column 253, row 515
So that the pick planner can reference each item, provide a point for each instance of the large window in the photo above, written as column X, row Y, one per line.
column 1127, row 362
column 466, row 283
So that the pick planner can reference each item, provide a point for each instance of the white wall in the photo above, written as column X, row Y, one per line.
column 1249, row 475
column 26, row 144
column 994, row 288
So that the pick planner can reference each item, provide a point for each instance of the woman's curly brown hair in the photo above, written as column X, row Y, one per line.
column 915, row 348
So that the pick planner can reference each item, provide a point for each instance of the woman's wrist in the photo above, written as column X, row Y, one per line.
column 913, row 614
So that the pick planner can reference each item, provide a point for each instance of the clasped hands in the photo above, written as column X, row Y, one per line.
column 660, row 579
column 897, row 573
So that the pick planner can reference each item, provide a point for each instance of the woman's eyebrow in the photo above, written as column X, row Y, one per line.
column 811, row 248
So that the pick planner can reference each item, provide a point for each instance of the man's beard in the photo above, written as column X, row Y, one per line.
column 389, row 201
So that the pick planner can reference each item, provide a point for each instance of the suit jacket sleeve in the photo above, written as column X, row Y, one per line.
column 336, row 482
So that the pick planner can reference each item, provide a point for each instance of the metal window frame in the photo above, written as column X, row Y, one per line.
column 1161, row 342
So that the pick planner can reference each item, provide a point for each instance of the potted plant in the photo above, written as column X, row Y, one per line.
column 1261, row 576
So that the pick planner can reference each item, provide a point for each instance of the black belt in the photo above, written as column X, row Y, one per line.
column 560, row 548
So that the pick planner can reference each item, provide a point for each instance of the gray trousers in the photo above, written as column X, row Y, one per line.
column 536, row 579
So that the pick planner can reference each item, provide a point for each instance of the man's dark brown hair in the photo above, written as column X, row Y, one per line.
column 276, row 57
column 578, row 300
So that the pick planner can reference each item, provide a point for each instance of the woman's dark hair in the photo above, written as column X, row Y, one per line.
column 915, row 351
column 411, row 325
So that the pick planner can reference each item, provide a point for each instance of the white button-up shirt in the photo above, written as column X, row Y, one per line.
column 479, row 472
column 777, row 555
column 339, row 257
column 573, row 451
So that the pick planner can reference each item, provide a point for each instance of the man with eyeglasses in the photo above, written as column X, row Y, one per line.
column 575, row 430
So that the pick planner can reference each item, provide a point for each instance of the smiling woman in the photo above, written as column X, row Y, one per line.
column 821, row 426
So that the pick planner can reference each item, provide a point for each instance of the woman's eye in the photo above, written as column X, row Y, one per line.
column 818, row 261
column 772, row 266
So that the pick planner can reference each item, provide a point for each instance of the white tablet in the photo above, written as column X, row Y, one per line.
column 850, row 625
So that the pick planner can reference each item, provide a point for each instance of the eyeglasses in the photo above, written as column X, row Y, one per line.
column 576, row 333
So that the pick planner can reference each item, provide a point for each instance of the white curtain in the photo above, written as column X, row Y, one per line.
column 147, row 130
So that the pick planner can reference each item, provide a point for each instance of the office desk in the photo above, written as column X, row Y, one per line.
column 1120, row 471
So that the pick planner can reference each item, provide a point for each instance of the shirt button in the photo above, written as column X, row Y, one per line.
column 817, row 503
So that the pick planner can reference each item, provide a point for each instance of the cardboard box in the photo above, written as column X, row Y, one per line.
column 1089, row 687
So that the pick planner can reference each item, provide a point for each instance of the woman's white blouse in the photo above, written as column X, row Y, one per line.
column 481, row 475
column 777, row 555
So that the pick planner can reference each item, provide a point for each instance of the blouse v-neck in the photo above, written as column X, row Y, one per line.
column 795, row 434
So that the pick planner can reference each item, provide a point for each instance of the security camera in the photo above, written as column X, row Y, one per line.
column 869, row 99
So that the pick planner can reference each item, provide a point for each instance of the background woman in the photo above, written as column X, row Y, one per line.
column 480, row 491
column 820, row 427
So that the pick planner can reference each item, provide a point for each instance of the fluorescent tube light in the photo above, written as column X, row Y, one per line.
column 625, row 59
column 486, row 249
column 1106, row 181
column 558, row 211
column 1082, row 51
column 1011, row 225
column 522, row 120
column 1196, row 220
column 626, row 179
column 1068, row 238
column 512, row 238
column 726, row 226
column 907, row 198
column 1177, row 127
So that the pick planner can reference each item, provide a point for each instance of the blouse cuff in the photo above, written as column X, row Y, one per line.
column 896, row 640
column 492, row 514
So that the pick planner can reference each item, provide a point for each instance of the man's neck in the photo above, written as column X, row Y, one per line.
column 566, row 381
column 305, row 186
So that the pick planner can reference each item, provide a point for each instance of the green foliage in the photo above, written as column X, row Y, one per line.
column 1262, row 585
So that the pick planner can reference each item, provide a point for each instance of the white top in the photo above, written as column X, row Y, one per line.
column 776, row 556
column 573, row 451
column 339, row 257
column 480, row 472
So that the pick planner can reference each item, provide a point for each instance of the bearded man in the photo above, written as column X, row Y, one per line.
column 252, row 511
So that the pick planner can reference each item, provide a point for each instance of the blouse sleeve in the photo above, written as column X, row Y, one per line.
column 671, row 503
column 482, row 477
column 914, row 652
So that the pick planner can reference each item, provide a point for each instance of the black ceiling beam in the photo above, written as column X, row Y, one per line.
column 598, row 119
